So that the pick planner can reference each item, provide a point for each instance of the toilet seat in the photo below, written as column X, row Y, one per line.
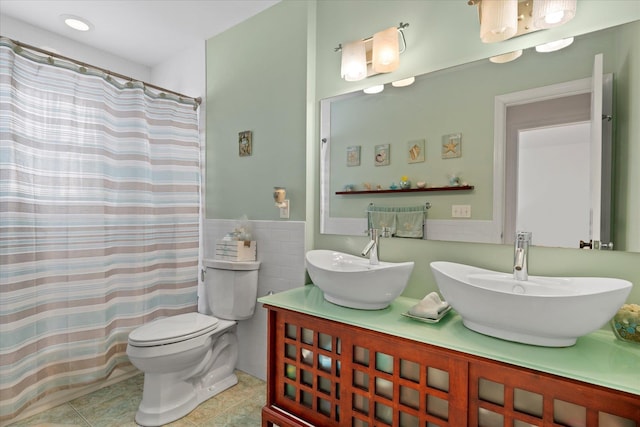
column 172, row 329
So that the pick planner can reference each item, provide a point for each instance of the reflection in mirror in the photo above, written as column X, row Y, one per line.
column 546, row 130
column 461, row 100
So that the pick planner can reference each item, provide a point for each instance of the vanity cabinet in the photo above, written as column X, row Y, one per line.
column 327, row 373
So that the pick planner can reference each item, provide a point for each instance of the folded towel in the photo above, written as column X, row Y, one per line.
column 382, row 220
column 410, row 224
column 429, row 307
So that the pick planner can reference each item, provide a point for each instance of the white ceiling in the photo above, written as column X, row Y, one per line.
column 143, row 31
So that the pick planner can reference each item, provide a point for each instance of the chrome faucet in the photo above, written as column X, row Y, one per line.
column 373, row 247
column 521, row 255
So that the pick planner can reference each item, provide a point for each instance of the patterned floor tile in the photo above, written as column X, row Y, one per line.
column 128, row 387
column 116, row 412
column 116, row 406
column 63, row 415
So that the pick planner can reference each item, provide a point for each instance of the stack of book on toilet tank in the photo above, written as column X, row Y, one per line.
column 236, row 250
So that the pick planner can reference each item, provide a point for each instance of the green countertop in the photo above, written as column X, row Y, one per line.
column 598, row 358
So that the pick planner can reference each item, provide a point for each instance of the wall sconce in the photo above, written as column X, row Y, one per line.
column 377, row 54
column 498, row 19
column 280, row 198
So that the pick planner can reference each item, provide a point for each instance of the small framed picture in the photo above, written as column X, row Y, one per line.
column 244, row 143
column 415, row 151
column 353, row 155
column 452, row 146
column 382, row 155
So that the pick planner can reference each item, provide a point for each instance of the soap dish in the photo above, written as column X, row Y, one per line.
column 426, row 319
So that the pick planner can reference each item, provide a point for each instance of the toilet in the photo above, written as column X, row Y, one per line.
column 191, row 357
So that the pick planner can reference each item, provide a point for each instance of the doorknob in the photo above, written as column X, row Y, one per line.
column 584, row 244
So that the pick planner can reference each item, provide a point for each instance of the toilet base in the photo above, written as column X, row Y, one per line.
column 149, row 417
column 206, row 370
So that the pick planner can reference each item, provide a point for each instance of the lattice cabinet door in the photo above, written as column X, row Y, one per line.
column 397, row 382
column 501, row 395
column 330, row 374
column 307, row 371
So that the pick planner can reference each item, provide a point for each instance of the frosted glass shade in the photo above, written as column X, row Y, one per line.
column 551, row 13
column 354, row 61
column 498, row 20
column 386, row 51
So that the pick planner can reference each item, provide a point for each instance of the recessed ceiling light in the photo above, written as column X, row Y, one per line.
column 553, row 46
column 77, row 23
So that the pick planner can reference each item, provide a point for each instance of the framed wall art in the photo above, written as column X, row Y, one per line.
column 353, row 155
column 452, row 146
column 415, row 151
column 382, row 155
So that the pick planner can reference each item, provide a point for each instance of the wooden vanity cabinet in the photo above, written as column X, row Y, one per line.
column 326, row 373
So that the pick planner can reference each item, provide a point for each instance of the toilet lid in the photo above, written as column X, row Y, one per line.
column 172, row 329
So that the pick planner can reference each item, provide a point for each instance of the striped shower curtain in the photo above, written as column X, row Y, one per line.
column 99, row 220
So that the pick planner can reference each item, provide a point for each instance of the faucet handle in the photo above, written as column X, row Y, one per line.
column 386, row 232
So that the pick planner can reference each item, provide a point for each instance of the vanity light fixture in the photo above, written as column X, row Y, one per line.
column 506, row 57
column 404, row 82
column 555, row 45
column 552, row 13
column 374, row 89
column 379, row 53
column 76, row 22
column 499, row 22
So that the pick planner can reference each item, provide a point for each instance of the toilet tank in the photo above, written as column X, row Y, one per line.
column 231, row 288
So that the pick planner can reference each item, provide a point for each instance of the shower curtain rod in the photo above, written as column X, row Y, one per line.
column 197, row 100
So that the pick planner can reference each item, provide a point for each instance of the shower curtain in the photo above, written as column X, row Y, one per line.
column 99, row 220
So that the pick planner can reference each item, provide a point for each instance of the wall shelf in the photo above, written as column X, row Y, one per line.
column 409, row 190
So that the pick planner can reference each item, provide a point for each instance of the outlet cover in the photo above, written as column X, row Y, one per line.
column 461, row 211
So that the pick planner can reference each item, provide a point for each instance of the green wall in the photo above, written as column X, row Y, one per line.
column 257, row 81
column 274, row 90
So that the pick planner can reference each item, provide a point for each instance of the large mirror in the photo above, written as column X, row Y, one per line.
column 460, row 104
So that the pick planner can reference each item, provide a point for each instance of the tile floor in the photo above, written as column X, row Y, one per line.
column 116, row 405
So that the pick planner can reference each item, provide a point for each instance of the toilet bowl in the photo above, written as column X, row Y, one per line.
column 191, row 357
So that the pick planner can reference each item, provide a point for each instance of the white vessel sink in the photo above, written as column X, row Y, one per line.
column 352, row 282
column 544, row 311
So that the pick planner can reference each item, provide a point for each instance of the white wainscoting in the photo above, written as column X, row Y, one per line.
column 281, row 249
